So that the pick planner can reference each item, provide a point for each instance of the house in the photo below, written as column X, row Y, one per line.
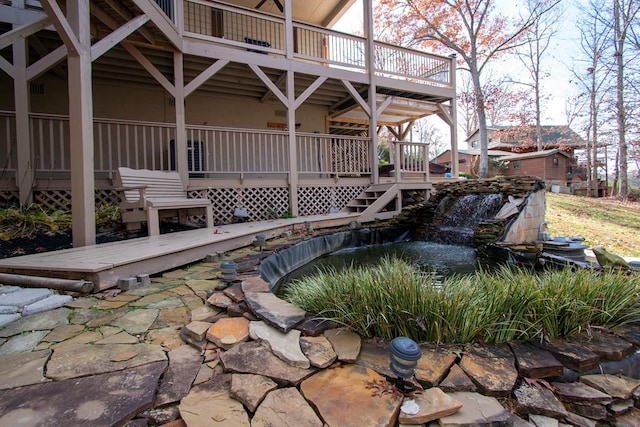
column 520, row 139
column 258, row 105
column 513, row 151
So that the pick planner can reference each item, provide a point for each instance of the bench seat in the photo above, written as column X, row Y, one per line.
column 147, row 196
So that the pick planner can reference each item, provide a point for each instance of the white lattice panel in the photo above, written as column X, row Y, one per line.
column 318, row 200
column 8, row 198
column 53, row 199
column 261, row 203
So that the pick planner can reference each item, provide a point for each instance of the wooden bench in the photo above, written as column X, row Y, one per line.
column 147, row 196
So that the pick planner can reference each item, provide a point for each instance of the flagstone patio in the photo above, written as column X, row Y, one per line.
column 188, row 350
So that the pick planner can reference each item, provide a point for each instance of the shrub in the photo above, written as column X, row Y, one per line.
column 394, row 299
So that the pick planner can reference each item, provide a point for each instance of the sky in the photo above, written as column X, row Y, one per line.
column 558, row 62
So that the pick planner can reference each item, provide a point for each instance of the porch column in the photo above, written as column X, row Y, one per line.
column 288, row 29
column 181, row 129
column 24, row 168
column 293, row 144
column 370, row 61
column 81, row 126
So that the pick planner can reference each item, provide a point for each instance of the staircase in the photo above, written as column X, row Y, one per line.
column 374, row 200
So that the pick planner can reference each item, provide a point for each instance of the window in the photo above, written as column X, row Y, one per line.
column 516, row 164
column 556, row 162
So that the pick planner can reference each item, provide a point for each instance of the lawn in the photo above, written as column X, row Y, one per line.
column 606, row 222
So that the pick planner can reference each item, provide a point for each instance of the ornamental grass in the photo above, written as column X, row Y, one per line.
column 394, row 299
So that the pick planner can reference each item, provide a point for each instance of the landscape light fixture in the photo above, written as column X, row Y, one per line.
column 261, row 241
column 404, row 357
column 308, row 227
column 229, row 271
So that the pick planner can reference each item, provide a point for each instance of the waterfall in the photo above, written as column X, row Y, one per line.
column 455, row 218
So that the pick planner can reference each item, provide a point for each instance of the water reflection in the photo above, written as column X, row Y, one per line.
column 441, row 258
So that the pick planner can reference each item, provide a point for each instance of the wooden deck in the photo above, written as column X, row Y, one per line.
column 104, row 264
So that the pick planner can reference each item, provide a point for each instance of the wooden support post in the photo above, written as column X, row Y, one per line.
column 181, row 127
column 370, row 61
column 81, row 125
column 288, row 29
column 25, row 176
column 293, row 144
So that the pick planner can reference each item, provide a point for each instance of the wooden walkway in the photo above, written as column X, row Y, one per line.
column 104, row 264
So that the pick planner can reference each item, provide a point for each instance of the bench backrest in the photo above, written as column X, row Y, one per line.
column 158, row 184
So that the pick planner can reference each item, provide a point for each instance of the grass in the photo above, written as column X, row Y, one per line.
column 394, row 299
column 606, row 222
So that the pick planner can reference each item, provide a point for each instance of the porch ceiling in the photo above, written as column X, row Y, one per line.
column 399, row 110
column 324, row 13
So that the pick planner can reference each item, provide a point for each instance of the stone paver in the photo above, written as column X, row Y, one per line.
column 95, row 400
column 226, row 333
column 476, row 410
column 431, row 404
column 24, row 296
column 63, row 333
column 6, row 319
column 23, row 343
column 253, row 358
column 285, row 407
column 250, row 389
column 79, row 360
column 284, row 345
column 38, row 322
column 136, row 321
column 318, row 350
column 49, row 303
column 8, row 309
column 345, row 343
column 184, row 365
column 209, row 404
column 277, row 312
column 619, row 387
column 21, row 369
column 333, row 390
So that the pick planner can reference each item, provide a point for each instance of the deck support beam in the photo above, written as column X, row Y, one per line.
column 373, row 108
column 77, row 38
column 25, row 177
column 181, row 126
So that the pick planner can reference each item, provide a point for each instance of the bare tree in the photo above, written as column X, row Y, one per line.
column 531, row 54
column 593, row 76
column 471, row 28
column 425, row 131
column 625, row 13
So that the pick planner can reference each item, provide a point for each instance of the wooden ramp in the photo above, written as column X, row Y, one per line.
column 104, row 264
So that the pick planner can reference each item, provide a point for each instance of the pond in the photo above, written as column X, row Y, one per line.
column 440, row 258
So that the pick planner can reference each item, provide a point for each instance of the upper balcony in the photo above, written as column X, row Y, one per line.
column 234, row 26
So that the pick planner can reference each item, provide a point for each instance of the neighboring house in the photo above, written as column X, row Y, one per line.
column 468, row 161
column 259, row 105
column 552, row 166
column 521, row 139
column 513, row 151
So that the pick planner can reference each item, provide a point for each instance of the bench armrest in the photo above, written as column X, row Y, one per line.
column 141, row 191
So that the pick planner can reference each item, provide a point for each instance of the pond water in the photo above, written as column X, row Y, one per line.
column 440, row 258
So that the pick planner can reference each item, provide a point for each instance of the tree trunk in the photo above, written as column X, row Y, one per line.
column 483, row 169
column 620, row 108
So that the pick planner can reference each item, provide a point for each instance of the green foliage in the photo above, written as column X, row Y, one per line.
column 26, row 221
column 273, row 214
column 107, row 214
column 394, row 299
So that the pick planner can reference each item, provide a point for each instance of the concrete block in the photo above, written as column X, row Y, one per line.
column 144, row 279
column 8, row 309
column 50, row 303
column 214, row 257
column 128, row 283
column 24, row 297
column 5, row 319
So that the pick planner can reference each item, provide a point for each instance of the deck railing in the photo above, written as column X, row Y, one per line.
column 212, row 152
column 413, row 161
column 264, row 33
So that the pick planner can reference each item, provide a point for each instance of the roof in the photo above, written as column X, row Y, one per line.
column 524, row 135
column 533, row 154
column 319, row 12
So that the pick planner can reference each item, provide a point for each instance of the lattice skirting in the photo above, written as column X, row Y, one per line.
column 318, row 200
column 260, row 203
